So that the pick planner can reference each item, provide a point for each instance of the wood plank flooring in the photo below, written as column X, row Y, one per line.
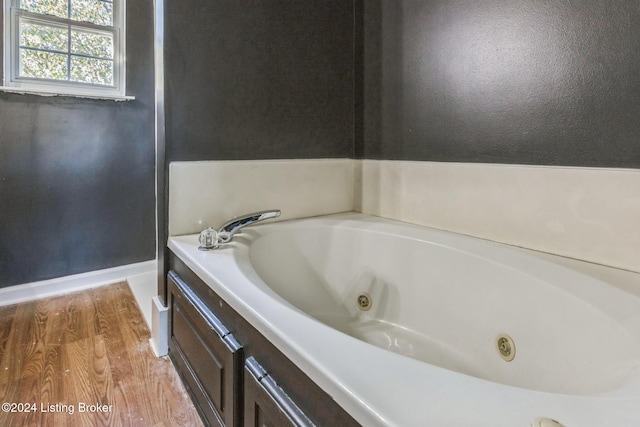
column 84, row 360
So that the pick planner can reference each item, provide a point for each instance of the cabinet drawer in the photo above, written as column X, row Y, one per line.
column 206, row 354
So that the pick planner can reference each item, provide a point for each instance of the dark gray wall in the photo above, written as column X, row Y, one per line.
column 257, row 79
column 77, row 183
column 504, row 81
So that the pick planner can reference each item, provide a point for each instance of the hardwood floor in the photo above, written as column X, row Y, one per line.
column 84, row 360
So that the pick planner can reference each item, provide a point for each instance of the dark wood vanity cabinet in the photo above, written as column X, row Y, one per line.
column 235, row 375
column 208, row 357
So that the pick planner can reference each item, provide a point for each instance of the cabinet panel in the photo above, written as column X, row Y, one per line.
column 265, row 403
column 205, row 361
column 207, row 356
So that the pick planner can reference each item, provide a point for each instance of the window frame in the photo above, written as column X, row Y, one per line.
column 11, row 54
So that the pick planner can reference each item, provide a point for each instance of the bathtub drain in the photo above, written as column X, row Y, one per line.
column 506, row 347
column 364, row 301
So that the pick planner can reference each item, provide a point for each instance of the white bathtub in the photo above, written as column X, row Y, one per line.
column 438, row 303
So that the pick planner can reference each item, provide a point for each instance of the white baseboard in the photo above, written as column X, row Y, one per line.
column 78, row 282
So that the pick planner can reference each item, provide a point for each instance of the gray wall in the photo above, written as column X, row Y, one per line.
column 502, row 81
column 499, row 81
column 257, row 79
column 77, row 176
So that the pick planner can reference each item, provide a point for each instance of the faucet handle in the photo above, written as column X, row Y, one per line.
column 208, row 239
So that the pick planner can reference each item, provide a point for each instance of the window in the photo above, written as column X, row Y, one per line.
column 65, row 46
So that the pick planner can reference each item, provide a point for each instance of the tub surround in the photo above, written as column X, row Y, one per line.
column 592, row 214
column 206, row 194
column 589, row 214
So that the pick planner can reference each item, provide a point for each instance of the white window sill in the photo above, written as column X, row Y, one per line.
column 75, row 95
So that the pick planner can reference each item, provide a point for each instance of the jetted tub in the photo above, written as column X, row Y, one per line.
column 409, row 326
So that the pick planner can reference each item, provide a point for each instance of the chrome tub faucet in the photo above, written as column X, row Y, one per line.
column 212, row 239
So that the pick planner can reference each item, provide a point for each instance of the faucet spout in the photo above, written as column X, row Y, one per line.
column 212, row 239
column 231, row 227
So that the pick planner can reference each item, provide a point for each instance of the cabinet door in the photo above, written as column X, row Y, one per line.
column 265, row 403
column 207, row 356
